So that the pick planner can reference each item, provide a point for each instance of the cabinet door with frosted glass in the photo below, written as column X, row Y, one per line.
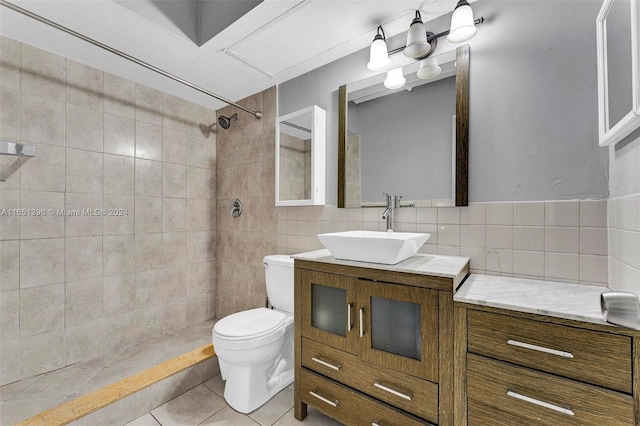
column 398, row 328
column 328, row 307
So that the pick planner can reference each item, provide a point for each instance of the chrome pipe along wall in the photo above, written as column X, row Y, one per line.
column 256, row 114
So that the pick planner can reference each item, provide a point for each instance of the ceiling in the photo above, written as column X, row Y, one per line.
column 233, row 48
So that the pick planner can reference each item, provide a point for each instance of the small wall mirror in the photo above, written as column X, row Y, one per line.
column 300, row 158
column 411, row 141
column 618, row 70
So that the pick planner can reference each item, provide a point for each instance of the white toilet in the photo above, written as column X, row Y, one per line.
column 255, row 347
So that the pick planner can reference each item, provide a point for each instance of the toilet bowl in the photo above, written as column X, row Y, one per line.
column 255, row 347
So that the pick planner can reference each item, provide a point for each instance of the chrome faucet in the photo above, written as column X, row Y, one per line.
column 393, row 202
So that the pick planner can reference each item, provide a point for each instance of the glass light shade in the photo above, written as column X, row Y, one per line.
column 378, row 55
column 395, row 79
column 429, row 69
column 462, row 26
column 417, row 44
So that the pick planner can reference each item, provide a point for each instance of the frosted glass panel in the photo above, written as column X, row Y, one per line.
column 328, row 309
column 395, row 327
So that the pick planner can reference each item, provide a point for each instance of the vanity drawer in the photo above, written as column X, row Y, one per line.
column 590, row 356
column 409, row 393
column 528, row 396
column 348, row 406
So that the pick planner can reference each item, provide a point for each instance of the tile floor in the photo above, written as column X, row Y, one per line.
column 25, row 398
column 204, row 405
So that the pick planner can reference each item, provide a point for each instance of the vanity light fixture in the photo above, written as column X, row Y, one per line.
column 417, row 44
column 378, row 55
column 395, row 79
column 429, row 68
column 462, row 24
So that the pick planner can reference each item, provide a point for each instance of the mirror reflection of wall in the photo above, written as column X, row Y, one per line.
column 400, row 142
column 619, row 61
column 295, row 159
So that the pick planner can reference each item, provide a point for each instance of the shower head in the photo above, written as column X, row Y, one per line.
column 225, row 122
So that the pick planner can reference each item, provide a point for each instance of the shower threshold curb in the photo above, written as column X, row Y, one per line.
column 91, row 402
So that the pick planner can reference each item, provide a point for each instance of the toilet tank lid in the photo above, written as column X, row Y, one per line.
column 279, row 259
column 249, row 324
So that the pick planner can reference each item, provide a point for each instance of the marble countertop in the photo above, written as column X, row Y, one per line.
column 425, row 264
column 562, row 300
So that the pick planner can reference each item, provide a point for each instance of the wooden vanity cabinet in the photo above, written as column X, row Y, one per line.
column 379, row 337
column 527, row 368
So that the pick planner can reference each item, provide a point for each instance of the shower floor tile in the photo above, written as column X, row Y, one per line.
column 25, row 398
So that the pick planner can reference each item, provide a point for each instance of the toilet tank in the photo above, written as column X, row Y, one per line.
column 278, row 274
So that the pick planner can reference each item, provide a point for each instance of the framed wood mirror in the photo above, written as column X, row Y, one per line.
column 455, row 149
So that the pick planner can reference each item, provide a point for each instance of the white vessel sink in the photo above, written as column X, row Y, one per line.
column 371, row 246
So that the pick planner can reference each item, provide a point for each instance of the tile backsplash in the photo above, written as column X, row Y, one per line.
column 75, row 285
column 624, row 243
column 553, row 240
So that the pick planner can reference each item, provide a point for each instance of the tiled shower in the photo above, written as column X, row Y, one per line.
column 77, row 286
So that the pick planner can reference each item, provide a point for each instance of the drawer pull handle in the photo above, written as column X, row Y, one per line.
column 349, row 324
column 326, row 364
column 401, row 394
column 361, row 322
column 540, row 403
column 323, row 399
column 540, row 348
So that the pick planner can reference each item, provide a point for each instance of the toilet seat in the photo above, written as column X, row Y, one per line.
column 249, row 329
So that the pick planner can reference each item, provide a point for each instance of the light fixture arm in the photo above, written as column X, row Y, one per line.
column 432, row 39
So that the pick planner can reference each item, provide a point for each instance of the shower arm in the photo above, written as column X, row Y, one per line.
column 256, row 114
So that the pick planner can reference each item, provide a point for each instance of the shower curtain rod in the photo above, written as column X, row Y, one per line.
column 256, row 114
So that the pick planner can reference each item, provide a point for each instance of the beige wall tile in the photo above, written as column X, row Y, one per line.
column 84, row 171
column 562, row 240
column 200, row 183
column 530, row 263
column 42, row 262
column 118, row 175
column 42, row 222
column 42, row 353
column 148, row 177
column 500, row 213
column 174, row 146
column 118, row 294
column 498, row 237
column 593, row 213
column 174, row 316
column 148, row 105
column 172, row 284
column 499, row 261
column 594, row 269
column 43, row 73
column 10, row 361
column 173, row 214
column 472, row 235
column 200, row 277
column 196, row 309
column 562, row 213
column 119, row 223
column 45, row 171
column 528, row 214
column 9, row 225
column 119, row 135
column 9, row 265
column 148, row 214
column 148, row 141
column 41, row 309
column 174, row 112
column 9, row 63
column 474, row 214
column 148, row 251
column 593, row 241
column 118, row 254
column 174, row 248
column 84, row 128
column 200, row 151
column 174, row 180
column 83, row 301
column 84, row 86
column 84, row 341
column 83, row 258
column 198, row 215
column 10, row 315
column 528, row 238
column 562, row 266
column 9, row 113
column 119, row 96
column 200, row 246
column 42, row 120
column 84, row 219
